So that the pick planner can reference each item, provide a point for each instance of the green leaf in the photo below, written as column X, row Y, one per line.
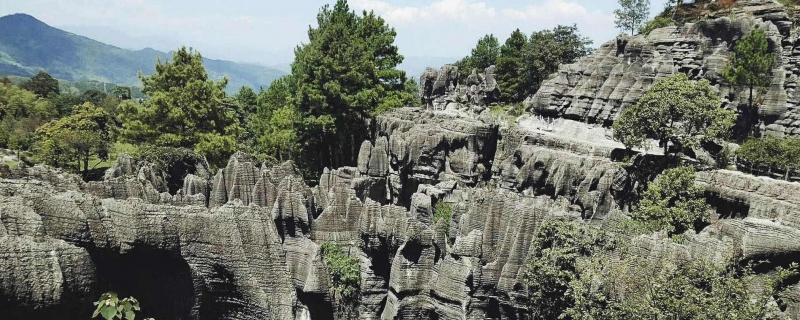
column 108, row 312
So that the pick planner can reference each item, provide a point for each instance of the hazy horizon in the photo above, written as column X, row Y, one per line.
column 266, row 32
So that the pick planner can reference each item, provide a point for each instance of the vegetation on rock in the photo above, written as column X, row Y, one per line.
column 674, row 110
column 557, row 248
column 660, row 21
column 673, row 202
column 750, row 66
column 578, row 272
column 345, row 276
column 771, row 152
column 443, row 211
column 110, row 307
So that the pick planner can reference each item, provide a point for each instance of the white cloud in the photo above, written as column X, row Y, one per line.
column 557, row 10
column 441, row 10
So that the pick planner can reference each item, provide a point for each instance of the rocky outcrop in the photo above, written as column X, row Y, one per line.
column 445, row 89
column 62, row 247
column 598, row 87
column 427, row 147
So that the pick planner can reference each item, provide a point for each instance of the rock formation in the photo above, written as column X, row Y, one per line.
column 251, row 251
column 445, row 88
column 598, row 87
column 245, row 242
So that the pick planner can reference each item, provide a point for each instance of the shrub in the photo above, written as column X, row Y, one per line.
column 111, row 307
column 177, row 163
column 557, row 249
column 771, row 152
column 345, row 275
column 673, row 203
column 443, row 212
column 659, row 21
column 638, row 288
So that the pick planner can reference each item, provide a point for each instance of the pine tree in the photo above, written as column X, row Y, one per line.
column 485, row 53
column 510, row 66
column 546, row 50
column 345, row 75
column 185, row 110
column 750, row 66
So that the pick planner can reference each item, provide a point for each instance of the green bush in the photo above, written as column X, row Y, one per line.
column 659, row 21
column 771, row 152
column 673, row 203
column 639, row 288
column 580, row 272
column 557, row 250
column 345, row 275
column 111, row 307
column 443, row 212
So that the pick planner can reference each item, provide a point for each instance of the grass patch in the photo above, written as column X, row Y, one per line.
column 119, row 148
column 507, row 112
column 443, row 212
column 12, row 164
column 97, row 167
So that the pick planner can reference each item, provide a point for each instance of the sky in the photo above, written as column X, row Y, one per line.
column 267, row 31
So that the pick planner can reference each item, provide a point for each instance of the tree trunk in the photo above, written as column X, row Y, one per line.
column 666, row 147
column 753, row 114
column 85, row 167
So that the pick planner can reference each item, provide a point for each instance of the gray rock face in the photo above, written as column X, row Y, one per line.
column 598, row 87
column 63, row 247
column 444, row 89
column 429, row 147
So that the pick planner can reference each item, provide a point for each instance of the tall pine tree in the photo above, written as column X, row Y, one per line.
column 510, row 66
column 185, row 110
column 346, row 74
column 750, row 66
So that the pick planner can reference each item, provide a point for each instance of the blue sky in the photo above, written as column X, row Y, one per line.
column 266, row 32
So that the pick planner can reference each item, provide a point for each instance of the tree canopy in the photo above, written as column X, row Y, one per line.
column 750, row 66
column 88, row 132
column 632, row 14
column 42, row 84
column 484, row 55
column 185, row 110
column 275, row 122
column 16, row 102
column 346, row 74
column 511, row 66
column 674, row 110
column 673, row 202
column 546, row 50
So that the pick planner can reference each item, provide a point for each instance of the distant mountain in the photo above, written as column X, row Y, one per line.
column 28, row 45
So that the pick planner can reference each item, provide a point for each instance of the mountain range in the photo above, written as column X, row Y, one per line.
column 28, row 45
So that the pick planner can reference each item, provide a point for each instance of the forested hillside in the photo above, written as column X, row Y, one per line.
column 28, row 45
